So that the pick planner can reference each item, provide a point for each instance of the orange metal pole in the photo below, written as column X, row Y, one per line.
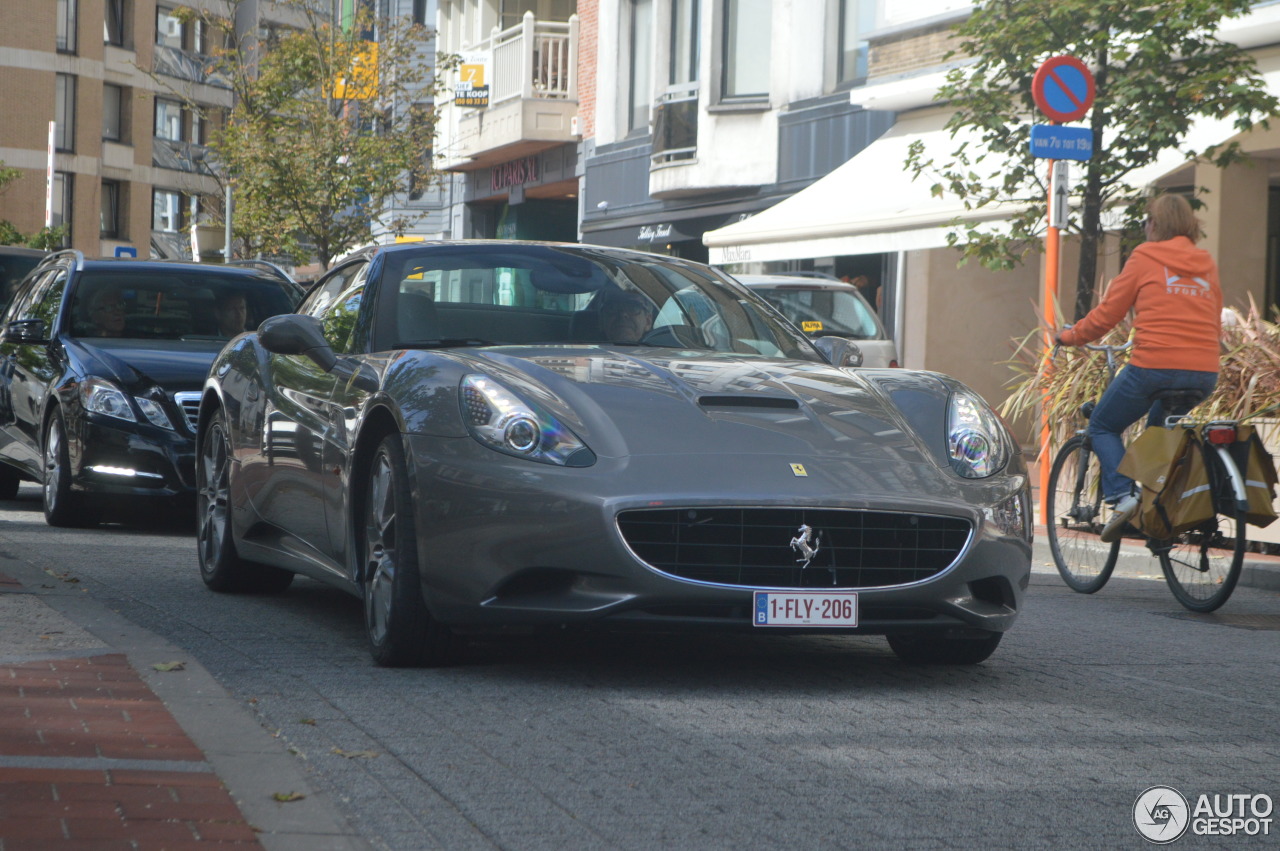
column 1050, row 298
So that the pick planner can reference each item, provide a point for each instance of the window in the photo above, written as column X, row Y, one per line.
column 746, row 48
column 109, row 216
column 641, row 94
column 684, row 42
column 166, row 210
column 64, row 112
column 857, row 18
column 113, row 24
column 62, row 204
column 65, row 37
column 169, row 29
column 420, row 12
column 112, row 116
column 169, row 120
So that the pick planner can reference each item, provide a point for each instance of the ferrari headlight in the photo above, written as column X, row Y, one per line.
column 501, row 420
column 976, row 441
column 99, row 396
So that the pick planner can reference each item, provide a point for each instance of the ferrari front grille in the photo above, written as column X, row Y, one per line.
column 793, row 547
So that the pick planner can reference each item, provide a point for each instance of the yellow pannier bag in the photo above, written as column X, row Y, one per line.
column 1169, row 465
column 1259, row 471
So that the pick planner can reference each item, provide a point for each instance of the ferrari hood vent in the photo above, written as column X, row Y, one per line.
column 770, row 402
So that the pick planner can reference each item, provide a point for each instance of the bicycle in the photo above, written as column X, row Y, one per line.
column 1202, row 565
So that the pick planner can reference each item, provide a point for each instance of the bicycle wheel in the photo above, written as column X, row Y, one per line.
column 1073, row 519
column 1203, row 565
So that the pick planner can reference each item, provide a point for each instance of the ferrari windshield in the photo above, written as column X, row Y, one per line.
column 534, row 294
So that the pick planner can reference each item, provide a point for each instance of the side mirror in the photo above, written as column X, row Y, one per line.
column 25, row 331
column 839, row 351
column 296, row 334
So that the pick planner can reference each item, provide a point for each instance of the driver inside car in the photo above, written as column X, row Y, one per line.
column 625, row 318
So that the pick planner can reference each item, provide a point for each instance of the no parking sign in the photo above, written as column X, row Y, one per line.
column 1063, row 88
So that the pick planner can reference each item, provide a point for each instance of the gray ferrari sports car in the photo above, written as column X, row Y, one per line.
column 485, row 436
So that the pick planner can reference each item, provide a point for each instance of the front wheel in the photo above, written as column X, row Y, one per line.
column 1203, row 565
column 62, row 506
column 400, row 630
column 1073, row 518
column 221, row 567
column 943, row 650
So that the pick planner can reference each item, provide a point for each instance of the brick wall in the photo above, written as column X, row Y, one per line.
column 909, row 52
column 588, row 49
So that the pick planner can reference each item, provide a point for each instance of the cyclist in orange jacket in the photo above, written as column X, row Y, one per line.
column 1172, row 287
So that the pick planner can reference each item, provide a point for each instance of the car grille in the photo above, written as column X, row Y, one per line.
column 752, row 547
column 189, row 404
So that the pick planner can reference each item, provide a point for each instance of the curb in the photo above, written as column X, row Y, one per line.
column 250, row 761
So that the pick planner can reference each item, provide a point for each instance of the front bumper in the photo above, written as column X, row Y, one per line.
column 504, row 542
column 116, row 457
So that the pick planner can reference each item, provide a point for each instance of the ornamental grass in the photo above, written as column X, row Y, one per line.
column 1248, row 382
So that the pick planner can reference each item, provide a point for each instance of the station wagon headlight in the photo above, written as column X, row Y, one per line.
column 976, row 441
column 102, row 397
column 154, row 412
column 503, row 421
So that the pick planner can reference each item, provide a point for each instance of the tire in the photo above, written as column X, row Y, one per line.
column 400, row 630
column 940, row 650
column 9, row 481
column 62, row 507
column 1203, row 565
column 221, row 567
column 1073, row 519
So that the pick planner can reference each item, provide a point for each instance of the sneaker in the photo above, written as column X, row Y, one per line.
column 1120, row 517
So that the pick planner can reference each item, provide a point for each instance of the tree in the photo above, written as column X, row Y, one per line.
column 48, row 238
column 1156, row 70
column 328, row 123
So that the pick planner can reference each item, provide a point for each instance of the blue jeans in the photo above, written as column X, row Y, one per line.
column 1123, row 404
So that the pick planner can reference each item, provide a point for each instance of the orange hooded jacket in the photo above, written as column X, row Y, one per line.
column 1173, row 288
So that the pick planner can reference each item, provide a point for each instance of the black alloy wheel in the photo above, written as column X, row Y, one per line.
column 62, row 507
column 399, row 628
column 221, row 567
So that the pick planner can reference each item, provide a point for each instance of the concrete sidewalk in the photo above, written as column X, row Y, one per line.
column 110, row 738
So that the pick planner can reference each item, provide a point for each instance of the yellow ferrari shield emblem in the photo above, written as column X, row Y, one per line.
column 799, row 470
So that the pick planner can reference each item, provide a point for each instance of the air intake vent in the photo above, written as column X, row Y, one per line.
column 752, row 547
column 770, row 402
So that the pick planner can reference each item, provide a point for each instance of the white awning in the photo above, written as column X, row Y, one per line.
column 870, row 204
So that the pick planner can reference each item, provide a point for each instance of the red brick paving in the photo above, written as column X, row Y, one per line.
column 98, row 707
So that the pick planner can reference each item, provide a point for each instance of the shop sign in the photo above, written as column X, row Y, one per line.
column 652, row 233
column 514, row 173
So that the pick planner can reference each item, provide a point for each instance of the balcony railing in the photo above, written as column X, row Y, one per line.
column 536, row 59
column 675, row 125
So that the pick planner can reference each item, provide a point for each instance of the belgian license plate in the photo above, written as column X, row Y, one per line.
column 805, row 608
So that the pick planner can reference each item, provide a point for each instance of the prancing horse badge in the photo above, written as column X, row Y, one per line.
column 799, row 470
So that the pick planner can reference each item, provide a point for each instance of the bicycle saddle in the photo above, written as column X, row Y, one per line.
column 1178, row 401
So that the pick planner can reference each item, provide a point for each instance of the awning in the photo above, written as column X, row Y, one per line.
column 872, row 204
